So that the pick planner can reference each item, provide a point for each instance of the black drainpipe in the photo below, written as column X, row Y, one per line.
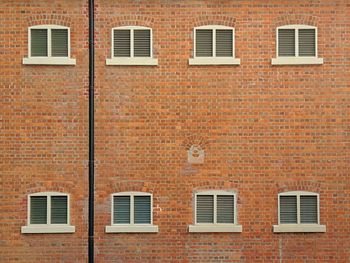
column 91, row 131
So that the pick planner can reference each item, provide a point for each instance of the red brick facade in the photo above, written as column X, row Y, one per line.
column 265, row 130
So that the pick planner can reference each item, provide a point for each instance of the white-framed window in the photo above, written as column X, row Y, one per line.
column 49, row 45
column 132, row 46
column 296, row 45
column 298, row 211
column 214, row 45
column 215, row 211
column 48, row 212
column 131, row 212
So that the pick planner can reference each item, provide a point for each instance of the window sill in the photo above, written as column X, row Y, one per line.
column 297, row 61
column 131, row 62
column 47, row 229
column 210, row 228
column 300, row 228
column 214, row 61
column 132, row 229
column 61, row 61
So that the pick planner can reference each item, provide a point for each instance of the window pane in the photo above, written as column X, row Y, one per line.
column 225, row 209
column 307, row 43
column 288, row 209
column 142, row 210
column 286, row 42
column 205, row 209
column 59, row 42
column 121, row 43
column 142, row 43
column 204, row 43
column 38, row 210
column 121, row 210
column 38, row 42
column 59, row 207
column 224, row 43
column 308, row 209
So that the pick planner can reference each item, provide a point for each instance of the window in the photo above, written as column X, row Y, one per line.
column 215, row 211
column 48, row 213
column 299, row 212
column 49, row 45
column 131, row 213
column 214, row 45
column 132, row 45
column 296, row 45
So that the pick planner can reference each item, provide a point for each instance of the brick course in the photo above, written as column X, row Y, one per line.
column 265, row 129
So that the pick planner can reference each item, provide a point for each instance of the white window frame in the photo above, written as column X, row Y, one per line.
column 215, row 227
column 299, row 227
column 131, row 61
column 48, row 227
column 131, row 228
column 297, row 60
column 48, row 60
column 214, row 60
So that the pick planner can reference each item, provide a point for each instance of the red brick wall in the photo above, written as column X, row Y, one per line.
column 266, row 129
column 43, row 131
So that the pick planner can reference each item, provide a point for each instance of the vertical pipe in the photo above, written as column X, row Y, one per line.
column 91, row 131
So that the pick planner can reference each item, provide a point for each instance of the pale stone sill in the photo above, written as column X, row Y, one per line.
column 299, row 228
column 60, row 61
column 132, row 61
column 132, row 229
column 214, row 61
column 47, row 229
column 297, row 61
column 212, row 228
